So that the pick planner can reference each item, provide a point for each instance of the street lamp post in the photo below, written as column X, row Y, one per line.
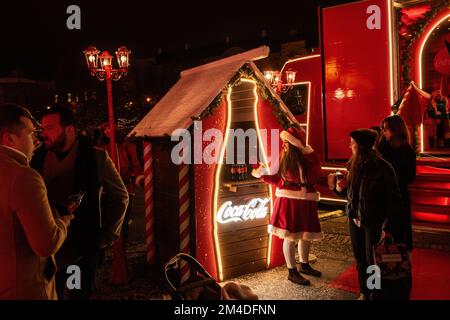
column 104, row 71
column 274, row 78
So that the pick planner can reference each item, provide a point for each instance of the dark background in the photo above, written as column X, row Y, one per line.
column 36, row 42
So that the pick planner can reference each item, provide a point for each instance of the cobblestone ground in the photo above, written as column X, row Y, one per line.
column 333, row 256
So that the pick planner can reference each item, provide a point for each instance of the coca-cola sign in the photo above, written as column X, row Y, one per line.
column 254, row 209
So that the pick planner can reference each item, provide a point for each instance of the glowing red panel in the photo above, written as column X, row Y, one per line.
column 356, row 55
column 431, row 217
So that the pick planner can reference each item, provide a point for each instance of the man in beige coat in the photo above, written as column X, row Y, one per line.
column 29, row 233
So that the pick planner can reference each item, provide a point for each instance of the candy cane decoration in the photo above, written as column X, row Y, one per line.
column 183, row 179
column 149, row 203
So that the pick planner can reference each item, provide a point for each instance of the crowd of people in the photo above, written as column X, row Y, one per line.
column 43, row 231
column 382, row 165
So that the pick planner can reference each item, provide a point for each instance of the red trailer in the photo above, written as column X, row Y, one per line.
column 371, row 53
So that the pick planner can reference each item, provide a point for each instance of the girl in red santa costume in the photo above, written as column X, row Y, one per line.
column 294, row 217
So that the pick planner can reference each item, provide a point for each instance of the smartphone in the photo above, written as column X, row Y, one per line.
column 73, row 201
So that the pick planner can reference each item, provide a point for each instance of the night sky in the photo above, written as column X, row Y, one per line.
column 35, row 37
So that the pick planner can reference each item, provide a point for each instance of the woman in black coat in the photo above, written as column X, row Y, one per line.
column 373, row 201
column 395, row 147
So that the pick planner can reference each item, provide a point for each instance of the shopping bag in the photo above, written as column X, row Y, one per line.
column 393, row 259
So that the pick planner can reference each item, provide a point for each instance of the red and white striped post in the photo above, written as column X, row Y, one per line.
column 149, row 203
column 184, row 217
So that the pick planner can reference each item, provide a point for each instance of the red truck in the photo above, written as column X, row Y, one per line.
column 369, row 53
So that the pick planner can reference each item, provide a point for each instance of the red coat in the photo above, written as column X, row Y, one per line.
column 294, row 215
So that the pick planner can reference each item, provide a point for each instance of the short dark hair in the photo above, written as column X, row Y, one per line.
column 10, row 116
column 66, row 115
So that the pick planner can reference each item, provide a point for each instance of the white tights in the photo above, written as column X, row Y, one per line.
column 289, row 252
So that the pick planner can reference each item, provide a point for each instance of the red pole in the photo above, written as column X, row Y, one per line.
column 119, row 264
column 112, row 127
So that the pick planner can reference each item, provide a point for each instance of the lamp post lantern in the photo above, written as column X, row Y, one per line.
column 274, row 78
column 100, row 66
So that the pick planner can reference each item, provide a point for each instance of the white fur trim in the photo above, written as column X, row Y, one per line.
column 298, row 194
column 260, row 171
column 284, row 135
column 303, row 235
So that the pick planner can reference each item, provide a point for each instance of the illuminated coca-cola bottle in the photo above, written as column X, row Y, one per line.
column 241, row 210
column 241, row 172
column 233, row 172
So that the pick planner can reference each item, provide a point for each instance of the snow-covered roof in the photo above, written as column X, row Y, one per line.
column 194, row 92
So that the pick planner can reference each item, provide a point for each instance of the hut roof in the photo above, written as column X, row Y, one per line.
column 194, row 92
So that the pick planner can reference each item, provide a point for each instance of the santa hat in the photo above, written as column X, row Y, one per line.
column 294, row 136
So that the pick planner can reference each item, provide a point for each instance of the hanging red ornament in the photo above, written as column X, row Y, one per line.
column 442, row 61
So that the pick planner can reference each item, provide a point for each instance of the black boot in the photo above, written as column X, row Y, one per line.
column 307, row 269
column 296, row 277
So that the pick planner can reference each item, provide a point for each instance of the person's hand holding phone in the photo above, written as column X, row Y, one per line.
column 66, row 211
column 74, row 201
column 72, row 206
column 67, row 219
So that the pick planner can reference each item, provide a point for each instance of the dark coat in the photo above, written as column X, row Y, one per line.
column 403, row 160
column 377, row 200
column 94, row 173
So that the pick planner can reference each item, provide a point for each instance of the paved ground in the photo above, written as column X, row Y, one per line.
column 333, row 253
column 145, row 282
column 333, row 256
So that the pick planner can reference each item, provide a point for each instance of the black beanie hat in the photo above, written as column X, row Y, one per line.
column 364, row 137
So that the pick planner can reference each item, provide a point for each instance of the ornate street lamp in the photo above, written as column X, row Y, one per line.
column 91, row 54
column 105, row 71
column 274, row 78
column 100, row 66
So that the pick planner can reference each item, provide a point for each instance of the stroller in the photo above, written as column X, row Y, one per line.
column 200, row 285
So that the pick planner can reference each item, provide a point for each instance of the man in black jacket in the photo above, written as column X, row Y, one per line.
column 70, row 164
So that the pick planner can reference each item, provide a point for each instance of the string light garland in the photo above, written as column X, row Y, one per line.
column 247, row 73
column 407, row 40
